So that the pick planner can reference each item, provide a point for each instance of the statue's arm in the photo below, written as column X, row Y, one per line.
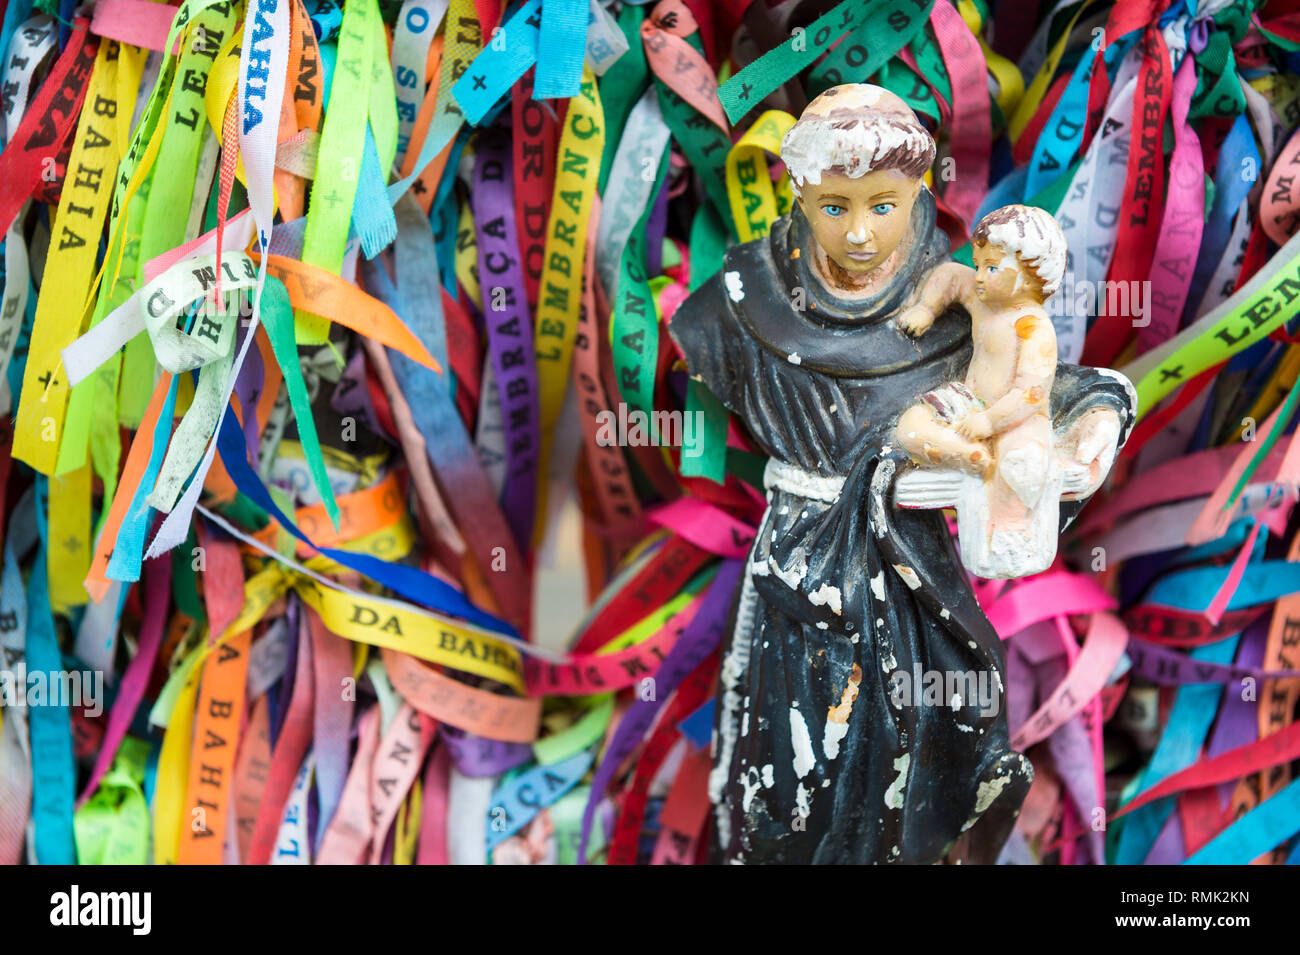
column 706, row 332
column 948, row 284
column 1093, row 410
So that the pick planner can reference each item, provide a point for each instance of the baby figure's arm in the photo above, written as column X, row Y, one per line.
column 1030, row 389
column 950, row 282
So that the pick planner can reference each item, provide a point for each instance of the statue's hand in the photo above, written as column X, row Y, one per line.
column 1087, row 449
column 915, row 321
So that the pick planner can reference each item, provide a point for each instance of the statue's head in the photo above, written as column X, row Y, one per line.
column 1019, row 256
column 856, row 157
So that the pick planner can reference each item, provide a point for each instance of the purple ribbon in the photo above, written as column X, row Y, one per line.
column 1238, row 722
column 509, row 328
column 479, row 756
column 248, row 386
column 1237, row 725
column 1158, row 664
column 655, row 229
column 697, row 641
column 351, row 398
column 1199, row 35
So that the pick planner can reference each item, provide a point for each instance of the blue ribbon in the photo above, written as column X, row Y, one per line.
column 53, row 767
column 410, row 582
column 502, row 63
column 372, row 213
column 128, row 549
column 564, row 38
column 516, row 802
column 1230, row 192
column 1265, row 827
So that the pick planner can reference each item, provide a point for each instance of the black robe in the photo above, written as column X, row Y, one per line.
column 821, row 388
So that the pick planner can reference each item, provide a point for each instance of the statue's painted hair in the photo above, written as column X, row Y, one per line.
column 854, row 142
column 1033, row 234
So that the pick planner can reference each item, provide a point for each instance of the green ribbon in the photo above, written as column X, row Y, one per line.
column 112, row 828
column 621, row 88
column 708, row 243
column 869, row 47
column 277, row 317
column 880, row 23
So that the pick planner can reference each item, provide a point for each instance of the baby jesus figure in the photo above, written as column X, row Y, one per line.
column 996, row 425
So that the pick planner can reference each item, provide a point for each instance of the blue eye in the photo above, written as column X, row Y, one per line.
column 883, row 209
column 833, row 211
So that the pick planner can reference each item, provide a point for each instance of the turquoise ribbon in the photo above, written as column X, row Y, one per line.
column 128, row 549
column 53, row 767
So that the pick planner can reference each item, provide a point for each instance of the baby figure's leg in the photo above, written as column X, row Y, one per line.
column 932, row 441
column 1023, row 460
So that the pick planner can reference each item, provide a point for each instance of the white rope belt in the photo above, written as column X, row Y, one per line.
column 805, row 484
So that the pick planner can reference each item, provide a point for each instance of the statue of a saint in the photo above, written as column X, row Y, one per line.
column 860, row 714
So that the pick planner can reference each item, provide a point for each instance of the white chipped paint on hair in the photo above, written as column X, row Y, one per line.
column 814, row 145
column 1041, row 247
column 802, row 802
column 894, row 794
column 802, row 744
column 909, row 576
column 878, row 585
column 794, row 359
column 827, row 596
column 735, row 288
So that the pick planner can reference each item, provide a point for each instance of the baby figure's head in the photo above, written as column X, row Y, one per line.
column 1019, row 254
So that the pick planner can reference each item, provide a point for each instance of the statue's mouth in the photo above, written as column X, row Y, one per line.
column 861, row 255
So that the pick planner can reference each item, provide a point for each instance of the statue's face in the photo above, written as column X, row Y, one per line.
column 859, row 222
column 1000, row 277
